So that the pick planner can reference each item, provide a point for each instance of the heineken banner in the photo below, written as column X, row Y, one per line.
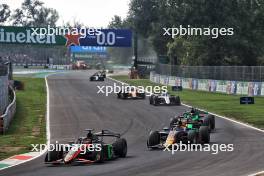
column 23, row 35
column 227, row 87
column 66, row 36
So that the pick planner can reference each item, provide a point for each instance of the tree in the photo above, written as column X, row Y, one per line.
column 246, row 17
column 33, row 13
column 4, row 13
column 116, row 22
column 119, row 55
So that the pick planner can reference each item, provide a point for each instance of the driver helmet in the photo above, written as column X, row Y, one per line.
column 89, row 135
column 193, row 111
column 164, row 93
column 179, row 124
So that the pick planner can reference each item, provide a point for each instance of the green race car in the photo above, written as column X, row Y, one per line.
column 197, row 117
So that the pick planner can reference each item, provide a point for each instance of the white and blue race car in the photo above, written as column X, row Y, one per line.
column 98, row 76
column 164, row 99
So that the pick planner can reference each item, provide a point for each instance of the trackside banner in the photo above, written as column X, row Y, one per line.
column 53, row 36
column 24, row 35
column 227, row 87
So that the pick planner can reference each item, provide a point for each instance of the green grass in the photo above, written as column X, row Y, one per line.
column 28, row 126
column 222, row 104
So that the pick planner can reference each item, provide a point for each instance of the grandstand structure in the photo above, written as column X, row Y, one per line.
column 34, row 55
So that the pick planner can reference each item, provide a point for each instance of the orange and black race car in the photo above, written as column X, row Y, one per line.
column 131, row 93
column 183, row 130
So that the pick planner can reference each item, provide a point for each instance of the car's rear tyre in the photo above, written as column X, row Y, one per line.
column 172, row 101
column 151, row 99
column 204, row 135
column 155, row 101
column 120, row 147
column 212, row 121
column 154, row 139
column 177, row 101
column 207, row 122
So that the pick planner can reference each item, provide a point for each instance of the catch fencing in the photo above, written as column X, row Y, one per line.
column 234, row 73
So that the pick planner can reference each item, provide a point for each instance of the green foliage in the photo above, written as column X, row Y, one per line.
column 120, row 55
column 245, row 47
column 4, row 13
column 33, row 13
column 116, row 22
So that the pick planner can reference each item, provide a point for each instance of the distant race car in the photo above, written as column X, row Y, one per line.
column 74, row 155
column 199, row 117
column 98, row 76
column 164, row 99
column 184, row 130
column 131, row 93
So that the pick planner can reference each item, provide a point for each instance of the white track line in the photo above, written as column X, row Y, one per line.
column 256, row 174
column 48, row 112
column 223, row 117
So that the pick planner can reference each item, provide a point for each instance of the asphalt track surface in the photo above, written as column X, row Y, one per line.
column 75, row 106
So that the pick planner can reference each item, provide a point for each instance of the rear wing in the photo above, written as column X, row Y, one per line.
column 108, row 134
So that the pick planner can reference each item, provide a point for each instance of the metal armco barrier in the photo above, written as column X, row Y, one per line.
column 7, row 117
